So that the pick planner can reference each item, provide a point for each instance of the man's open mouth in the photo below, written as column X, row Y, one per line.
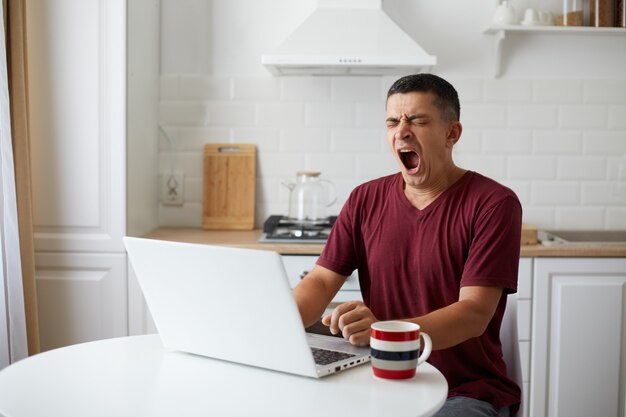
column 410, row 159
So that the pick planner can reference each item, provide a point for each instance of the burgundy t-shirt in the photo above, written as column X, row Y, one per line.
column 413, row 261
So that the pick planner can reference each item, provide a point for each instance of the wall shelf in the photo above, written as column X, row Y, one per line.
column 500, row 33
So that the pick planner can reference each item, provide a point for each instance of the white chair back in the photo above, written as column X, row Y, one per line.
column 510, row 344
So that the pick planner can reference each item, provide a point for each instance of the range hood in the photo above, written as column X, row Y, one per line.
column 348, row 37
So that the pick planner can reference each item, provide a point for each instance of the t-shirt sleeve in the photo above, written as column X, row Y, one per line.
column 339, row 254
column 493, row 257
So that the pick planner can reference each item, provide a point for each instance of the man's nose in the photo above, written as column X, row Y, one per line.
column 403, row 130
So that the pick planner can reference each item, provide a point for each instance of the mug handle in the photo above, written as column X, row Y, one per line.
column 427, row 349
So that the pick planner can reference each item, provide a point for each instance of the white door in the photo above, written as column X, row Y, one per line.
column 77, row 98
column 81, row 297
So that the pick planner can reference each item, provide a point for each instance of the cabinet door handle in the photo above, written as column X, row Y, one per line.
column 303, row 274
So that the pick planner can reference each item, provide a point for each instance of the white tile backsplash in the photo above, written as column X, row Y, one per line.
column 279, row 165
column 183, row 113
column 558, row 91
column 507, row 142
column 194, row 138
column 268, row 190
column 230, row 114
column 305, row 140
column 262, row 89
column 341, row 166
column 357, row 90
column 309, row 89
column 605, row 91
column 562, row 193
column 187, row 215
column 469, row 91
column 265, row 139
column 521, row 188
column 532, row 167
column 617, row 117
column 193, row 190
column 330, row 115
column 471, row 142
column 533, row 116
column 489, row 165
column 616, row 216
column 278, row 114
column 190, row 163
column 559, row 144
column 355, row 141
column 583, row 117
column 581, row 168
column 508, row 91
column 617, row 168
column 603, row 193
column 484, row 115
column 373, row 166
column 541, row 217
column 197, row 87
column 571, row 218
column 604, row 143
column 370, row 115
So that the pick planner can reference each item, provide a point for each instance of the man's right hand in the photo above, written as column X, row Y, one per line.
column 353, row 319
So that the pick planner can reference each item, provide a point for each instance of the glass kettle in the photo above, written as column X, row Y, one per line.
column 309, row 196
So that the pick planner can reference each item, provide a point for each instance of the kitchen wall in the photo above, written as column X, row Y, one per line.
column 552, row 127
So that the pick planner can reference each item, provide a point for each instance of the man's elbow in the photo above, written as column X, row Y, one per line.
column 479, row 323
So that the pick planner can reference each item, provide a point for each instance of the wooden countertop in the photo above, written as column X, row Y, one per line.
column 249, row 239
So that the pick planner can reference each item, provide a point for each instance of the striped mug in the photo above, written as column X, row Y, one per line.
column 395, row 348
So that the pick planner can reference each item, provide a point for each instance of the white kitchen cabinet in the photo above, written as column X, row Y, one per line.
column 579, row 337
column 297, row 266
column 77, row 118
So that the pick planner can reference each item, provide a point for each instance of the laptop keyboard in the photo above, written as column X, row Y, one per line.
column 325, row 356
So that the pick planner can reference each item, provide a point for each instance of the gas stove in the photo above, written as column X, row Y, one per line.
column 282, row 229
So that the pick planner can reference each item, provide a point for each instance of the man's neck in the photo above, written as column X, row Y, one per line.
column 422, row 197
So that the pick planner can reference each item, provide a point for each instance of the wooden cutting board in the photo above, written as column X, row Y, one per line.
column 529, row 235
column 229, row 186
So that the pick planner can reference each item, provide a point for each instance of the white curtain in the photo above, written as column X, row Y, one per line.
column 13, row 342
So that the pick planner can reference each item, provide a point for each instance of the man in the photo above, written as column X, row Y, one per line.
column 434, row 244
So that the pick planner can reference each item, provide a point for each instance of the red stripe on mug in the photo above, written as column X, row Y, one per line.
column 403, row 374
column 395, row 336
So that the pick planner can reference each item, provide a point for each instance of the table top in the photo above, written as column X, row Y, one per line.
column 135, row 376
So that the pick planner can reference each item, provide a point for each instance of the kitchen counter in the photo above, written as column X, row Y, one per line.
column 249, row 239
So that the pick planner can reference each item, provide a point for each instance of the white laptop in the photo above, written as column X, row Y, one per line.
column 232, row 304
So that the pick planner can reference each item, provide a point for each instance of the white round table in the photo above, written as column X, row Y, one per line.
column 135, row 376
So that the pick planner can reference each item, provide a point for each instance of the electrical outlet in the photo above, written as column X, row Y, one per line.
column 172, row 188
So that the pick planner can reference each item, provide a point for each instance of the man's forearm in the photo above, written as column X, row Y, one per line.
column 311, row 298
column 314, row 293
column 463, row 320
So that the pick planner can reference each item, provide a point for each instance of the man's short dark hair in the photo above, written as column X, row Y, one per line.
column 446, row 97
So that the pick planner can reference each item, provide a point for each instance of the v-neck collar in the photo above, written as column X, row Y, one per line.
column 399, row 187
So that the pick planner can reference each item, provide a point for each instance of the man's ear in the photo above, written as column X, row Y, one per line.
column 454, row 133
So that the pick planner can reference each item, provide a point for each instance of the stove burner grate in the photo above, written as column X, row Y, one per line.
column 281, row 228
